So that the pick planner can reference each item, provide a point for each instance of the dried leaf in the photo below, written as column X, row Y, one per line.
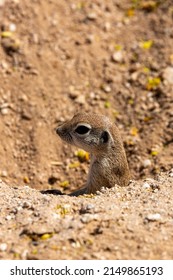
column 146, row 44
column 131, row 101
column 153, row 83
column 6, row 34
column 75, row 164
column 46, row 236
column 154, row 153
column 107, row 104
column 82, row 155
column 149, row 6
column 147, row 118
column 134, row 131
column 130, row 12
column 118, row 47
column 146, row 70
column 64, row 184
column 63, row 209
column 26, row 180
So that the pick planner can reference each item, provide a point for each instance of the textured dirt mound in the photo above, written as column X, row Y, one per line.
column 119, row 223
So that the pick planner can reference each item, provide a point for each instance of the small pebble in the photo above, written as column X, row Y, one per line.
column 86, row 218
column 106, row 88
column 107, row 26
column 3, row 247
column 168, row 75
column 23, row 97
column 76, row 244
column 56, row 216
column 80, row 99
column 153, row 217
column 19, row 208
column 47, row 198
column 134, row 76
column 146, row 186
column 4, row 111
column 92, row 16
column 90, row 38
column 26, row 187
column 4, row 65
column 146, row 163
column 35, row 38
column 24, row 254
column 26, row 204
column 2, row 2
column 26, row 116
column 12, row 27
column 4, row 173
column 67, row 207
column 92, row 95
column 8, row 217
column 90, row 206
column 102, row 189
column 87, row 208
column 118, row 57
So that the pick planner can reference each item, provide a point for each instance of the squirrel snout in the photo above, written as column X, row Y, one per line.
column 58, row 130
column 61, row 131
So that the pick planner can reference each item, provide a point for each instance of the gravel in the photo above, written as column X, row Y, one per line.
column 47, row 226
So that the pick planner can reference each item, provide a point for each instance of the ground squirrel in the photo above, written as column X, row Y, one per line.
column 100, row 137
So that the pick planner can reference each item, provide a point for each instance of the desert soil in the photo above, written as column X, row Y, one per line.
column 112, row 57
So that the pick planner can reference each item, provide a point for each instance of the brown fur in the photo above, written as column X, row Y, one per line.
column 108, row 159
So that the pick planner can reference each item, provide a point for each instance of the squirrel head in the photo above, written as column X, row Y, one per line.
column 90, row 132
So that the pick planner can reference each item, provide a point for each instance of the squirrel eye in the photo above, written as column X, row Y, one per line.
column 82, row 129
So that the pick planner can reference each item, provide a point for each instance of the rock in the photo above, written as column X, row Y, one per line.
column 89, row 208
column 90, row 39
column 107, row 26
column 106, row 88
column 168, row 75
column 26, row 204
column 24, row 254
column 80, row 99
column 4, row 65
column 3, row 247
column 2, row 2
column 134, row 76
column 118, row 57
column 12, row 27
column 92, row 16
column 25, row 115
column 4, row 173
column 153, row 217
column 86, row 218
column 146, row 163
column 8, row 217
column 146, row 186
column 92, row 95
column 5, row 111
column 23, row 97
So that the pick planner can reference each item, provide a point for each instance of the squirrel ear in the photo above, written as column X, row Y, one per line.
column 104, row 138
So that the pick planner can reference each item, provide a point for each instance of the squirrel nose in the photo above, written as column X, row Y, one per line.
column 61, row 130
column 58, row 130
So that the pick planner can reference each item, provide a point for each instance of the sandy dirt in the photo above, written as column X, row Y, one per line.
column 60, row 57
